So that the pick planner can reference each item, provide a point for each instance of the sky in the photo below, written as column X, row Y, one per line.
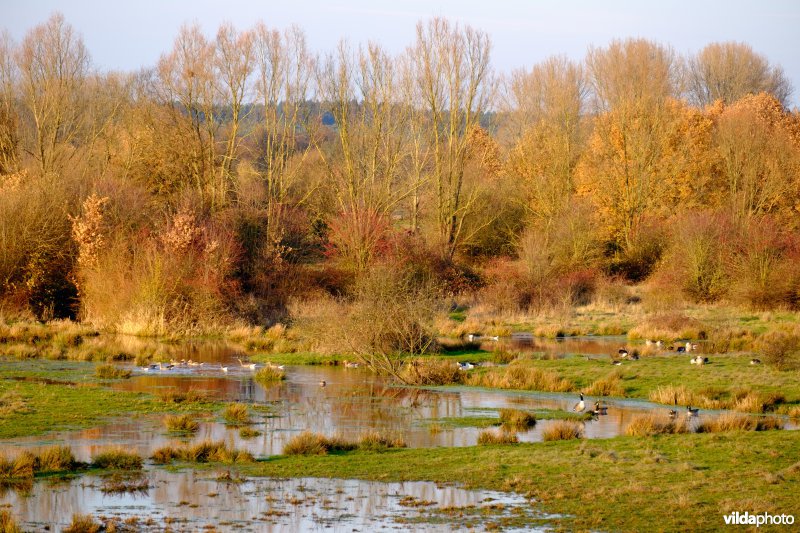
column 127, row 35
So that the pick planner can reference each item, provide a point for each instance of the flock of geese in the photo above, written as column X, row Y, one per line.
column 183, row 363
column 600, row 409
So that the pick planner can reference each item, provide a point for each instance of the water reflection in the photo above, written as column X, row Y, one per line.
column 191, row 500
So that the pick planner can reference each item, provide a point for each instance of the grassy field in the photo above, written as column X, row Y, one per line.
column 666, row 483
column 41, row 396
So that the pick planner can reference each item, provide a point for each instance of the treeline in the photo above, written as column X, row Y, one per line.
column 243, row 171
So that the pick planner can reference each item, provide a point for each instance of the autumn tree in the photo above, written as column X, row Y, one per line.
column 758, row 145
column 9, row 134
column 731, row 70
column 546, row 108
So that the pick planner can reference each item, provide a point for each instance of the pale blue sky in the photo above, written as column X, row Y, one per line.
column 133, row 33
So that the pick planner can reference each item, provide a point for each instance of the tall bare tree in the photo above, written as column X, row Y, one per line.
column 235, row 61
column 728, row 71
column 454, row 81
column 9, row 134
column 284, row 71
column 188, row 88
column 53, row 65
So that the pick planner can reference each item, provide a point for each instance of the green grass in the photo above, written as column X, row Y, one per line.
column 677, row 482
column 56, row 396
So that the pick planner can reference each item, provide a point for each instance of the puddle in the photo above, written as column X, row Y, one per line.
column 191, row 500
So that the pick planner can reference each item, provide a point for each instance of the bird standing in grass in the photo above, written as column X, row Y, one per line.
column 580, row 406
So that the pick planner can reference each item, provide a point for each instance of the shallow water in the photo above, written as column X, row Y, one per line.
column 190, row 500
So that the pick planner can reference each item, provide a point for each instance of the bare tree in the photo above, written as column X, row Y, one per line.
column 234, row 61
column 9, row 134
column 188, row 88
column 284, row 70
column 632, row 71
column 454, row 83
column 53, row 65
column 728, row 71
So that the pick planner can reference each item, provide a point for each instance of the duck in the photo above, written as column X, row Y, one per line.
column 690, row 412
column 580, row 406
column 755, row 361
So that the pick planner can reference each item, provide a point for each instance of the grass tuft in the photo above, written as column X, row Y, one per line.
column 563, row 430
column 109, row 371
column 181, row 423
column 117, row 459
column 269, row 375
column 655, row 424
column 517, row 419
column 7, row 522
column 376, row 441
column 236, row 414
column 203, row 452
column 310, row 443
column 83, row 523
column 489, row 437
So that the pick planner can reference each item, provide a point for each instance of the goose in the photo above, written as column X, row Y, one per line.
column 690, row 412
column 495, row 338
column 648, row 342
column 350, row 364
column 224, row 368
column 634, row 356
column 600, row 409
column 465, row 366
column 689, row 346
column 322, row 383
column 472, row 337
column 249, row 366
column 623, row 353
column 167, row 366
column 276, row 367
column 681, row 349
column 152, row 366
column 194, row 363
column 660, row 344
column 755, row 361
column 673, row 413
column 616, row 363
column 580, row 406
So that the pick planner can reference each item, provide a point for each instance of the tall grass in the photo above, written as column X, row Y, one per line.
column 7, row 522
column 236, row 413
column 611, row 385
column 490, row 437
column 203, row 452
column 117, row 459
column 27, row 464
column 521, row 377
column 83, row 523
column 269, row 375
column 655, row 424
column 517, row 419
column 563, row 430
column 310, row 443
column 181, row 423
column 744, row 400
column 431, row 372
column 111, row 372
column 735, row 422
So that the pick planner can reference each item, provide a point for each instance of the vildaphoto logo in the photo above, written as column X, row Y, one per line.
column 758, row 520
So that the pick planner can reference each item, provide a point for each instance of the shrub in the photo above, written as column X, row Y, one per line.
column 489, row 437
column 735, row 422
column 563, row 430
column 111, row 372
column 781, row 350
column 515, row 418
column 236, row 413
column 117, row 459
column 181, row 423
column 655, row 424
column 249, row 433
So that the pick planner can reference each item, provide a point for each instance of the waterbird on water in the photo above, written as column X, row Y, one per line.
column 691, row 412
column 322, row 383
